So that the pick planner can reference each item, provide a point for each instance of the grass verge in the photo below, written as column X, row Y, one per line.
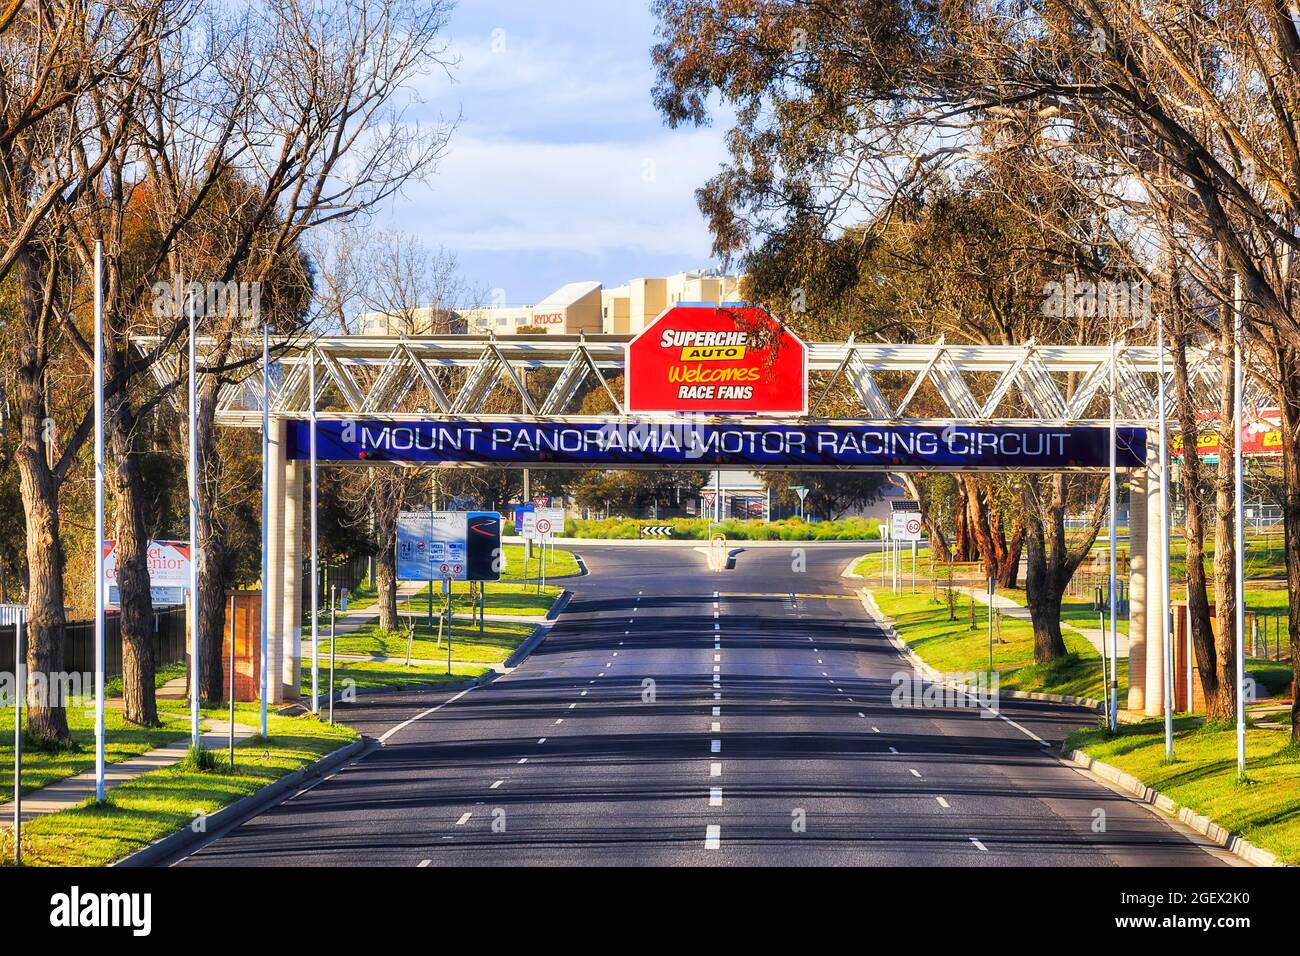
column 495, row 644
column 155, row 804
column 503, row 597
column 953, row 647
column 1266, row 811
column 372, row 675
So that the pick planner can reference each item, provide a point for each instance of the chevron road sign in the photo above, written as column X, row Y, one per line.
column 657, row 530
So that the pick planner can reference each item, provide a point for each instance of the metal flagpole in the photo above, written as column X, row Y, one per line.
column 1239, row 529
column 99, row 521
column 195, row 740
column 19, row 625
column 315, row 567
column 266, row 505
column 1114, row 499
column 1166, row 637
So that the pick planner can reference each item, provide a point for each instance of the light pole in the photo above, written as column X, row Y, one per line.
column 1167, row 606
column 1238, row 304
column 266, row 507
column 195, row 739
column 99, row 521
column 315, row 553
column 1113, row 716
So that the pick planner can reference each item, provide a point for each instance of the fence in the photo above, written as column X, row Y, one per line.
column 79, row 643
column 349, row 574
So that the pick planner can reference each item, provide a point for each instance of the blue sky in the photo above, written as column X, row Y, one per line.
column 561, row 169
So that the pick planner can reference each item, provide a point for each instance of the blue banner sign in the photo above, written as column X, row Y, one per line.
column 709, row 444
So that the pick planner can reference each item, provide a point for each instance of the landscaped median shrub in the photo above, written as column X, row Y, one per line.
column 698, row 529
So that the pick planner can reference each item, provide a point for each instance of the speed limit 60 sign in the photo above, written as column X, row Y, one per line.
column 905, row 526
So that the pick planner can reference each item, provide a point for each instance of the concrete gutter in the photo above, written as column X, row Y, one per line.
column 1119, row 779
column 1232, row 842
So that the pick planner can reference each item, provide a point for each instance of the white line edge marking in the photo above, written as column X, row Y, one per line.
column 406, row 723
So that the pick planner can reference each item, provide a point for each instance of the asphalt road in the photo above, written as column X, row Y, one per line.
column 676, row 716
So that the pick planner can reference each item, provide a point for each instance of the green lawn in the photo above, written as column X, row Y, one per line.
column 369, row 675
column 155, row 804
column 503, row 597
column 496, row 643
column 952, row 647
column 559, row 563
column 1266, row 811
column 121, row 742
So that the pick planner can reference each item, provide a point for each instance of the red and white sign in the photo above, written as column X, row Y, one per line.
column 709, row 496
column 169, row 563
column 906, row 526
column 717, row 359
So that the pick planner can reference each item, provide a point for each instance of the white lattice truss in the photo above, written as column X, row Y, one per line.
column 454, row 377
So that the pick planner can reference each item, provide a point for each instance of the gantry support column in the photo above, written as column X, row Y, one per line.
column 1138, row 645
column 273, row 586
column 291, row 618
column 1154, row 678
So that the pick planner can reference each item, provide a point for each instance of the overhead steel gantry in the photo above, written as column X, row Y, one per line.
column 383, row 378
column 463, row 378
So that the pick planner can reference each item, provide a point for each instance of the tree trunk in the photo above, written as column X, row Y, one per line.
column 1289, row 400
column 210, row 552
column 1198, row 600
column 1225, row 550
column 1042, row 596
column 388, row 503
column 979, row 522
column 46, row 719
column 133, row 572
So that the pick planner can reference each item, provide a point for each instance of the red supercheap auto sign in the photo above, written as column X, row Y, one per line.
column 716, row 359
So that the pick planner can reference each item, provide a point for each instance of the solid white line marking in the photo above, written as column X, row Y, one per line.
column 980, row 846
column 465, row 816
column 715, row 746
column 715, row 770
column 712, row 837
column 715, row 796
column 406, row 723
column 497, row 784
column 943, row 803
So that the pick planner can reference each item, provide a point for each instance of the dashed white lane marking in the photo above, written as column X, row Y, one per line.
column 573, row 705
column 629, row 620
column 559, row 720
column 717, row 697
column 615, row 654
column 893, row 750
column 712, row 837
column 583, row 694
column 717, row 711
column 819, row 660
column 717, row 658
column 497, row 784
column 840, row 689
column 913, row 772
column 717, row 627
column 541, row 740
column 862, row 715
column 715, row 796
column 824, row 674
column 875, row 729
column 943, row 803
column 523, row 760
column 717, row 668
column 979, row 846
column 625, row 634
column 715, row 769
column 717, row 727
column 463, row 817
column 715, row 746
column 424, row 863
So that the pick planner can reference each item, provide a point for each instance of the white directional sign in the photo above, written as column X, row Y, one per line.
column 905, row 526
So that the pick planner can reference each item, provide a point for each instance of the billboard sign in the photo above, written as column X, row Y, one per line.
column 169, row 572
column 717, row 359
column 448, row 545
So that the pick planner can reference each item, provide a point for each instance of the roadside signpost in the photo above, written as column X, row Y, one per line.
column 802, row 492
